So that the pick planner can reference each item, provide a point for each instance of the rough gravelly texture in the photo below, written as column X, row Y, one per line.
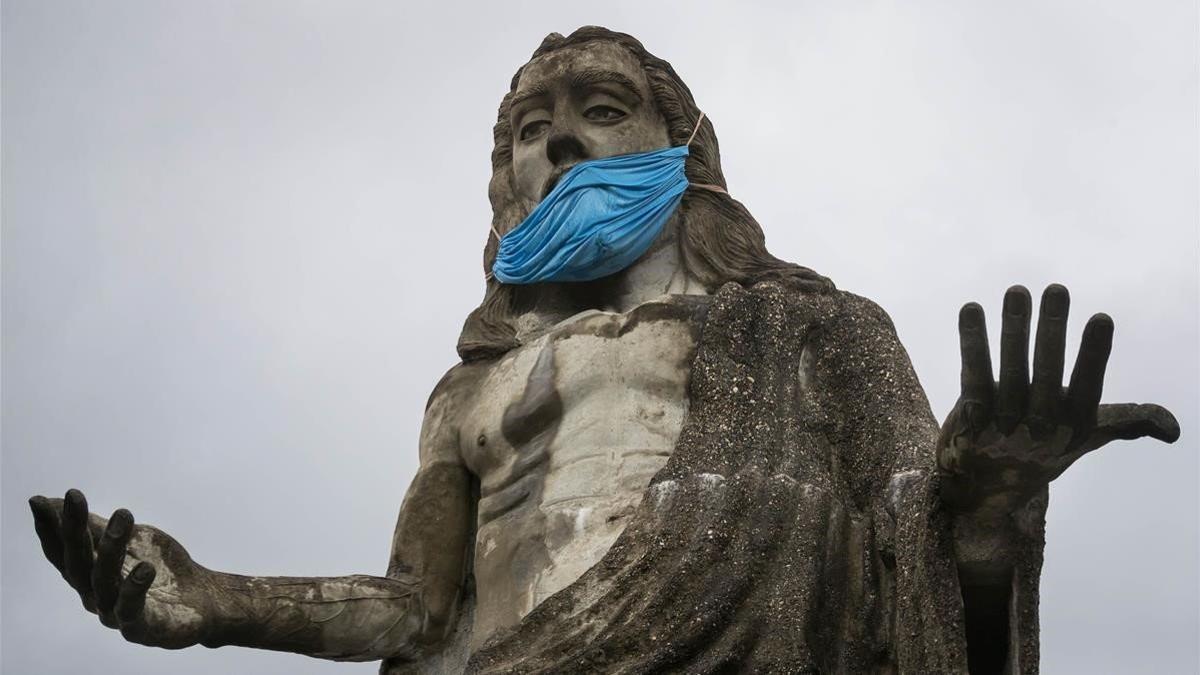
column 796, row 527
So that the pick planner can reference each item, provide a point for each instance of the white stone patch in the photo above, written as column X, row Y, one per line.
column 662, row 492
column 163, row 606
column 581, row 519
column 168, row 611
column 899, row 483
column 807, row 490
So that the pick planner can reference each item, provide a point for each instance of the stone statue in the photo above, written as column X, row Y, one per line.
column 709, row 461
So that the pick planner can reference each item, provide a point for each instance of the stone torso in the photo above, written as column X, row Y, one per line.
column 564, row 434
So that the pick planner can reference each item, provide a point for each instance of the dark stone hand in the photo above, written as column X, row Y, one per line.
column 1004, row 441
column 136, row 578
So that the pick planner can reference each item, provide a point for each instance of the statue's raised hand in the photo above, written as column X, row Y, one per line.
column 1004, row 441
column 135, row 577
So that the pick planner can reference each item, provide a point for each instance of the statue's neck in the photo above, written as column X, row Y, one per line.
column 660, row 271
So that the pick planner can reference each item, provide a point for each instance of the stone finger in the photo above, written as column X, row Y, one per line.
column 78, row 555
column 110, row 555
column 1013, row 390
column 976, row 378
column 1045, row 391
column 131, row 599
column 1087, row 379
column 47, row 524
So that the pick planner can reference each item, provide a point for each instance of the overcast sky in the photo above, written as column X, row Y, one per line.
column 240, row 238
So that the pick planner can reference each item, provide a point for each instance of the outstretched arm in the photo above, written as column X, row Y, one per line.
column 139, row 580
column 988, row 481
column 1006, row 440
column 362, row 618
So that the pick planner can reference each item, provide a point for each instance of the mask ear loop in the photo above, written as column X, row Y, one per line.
column 703, row 186
column 696, row 129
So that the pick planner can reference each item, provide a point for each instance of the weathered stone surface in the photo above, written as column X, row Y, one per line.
column 796, row 526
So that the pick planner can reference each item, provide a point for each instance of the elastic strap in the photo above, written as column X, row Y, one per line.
column 696, row 130
column 710, row 187
column 704, row 186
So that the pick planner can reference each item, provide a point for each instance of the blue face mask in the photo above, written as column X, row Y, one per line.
column 601, row 216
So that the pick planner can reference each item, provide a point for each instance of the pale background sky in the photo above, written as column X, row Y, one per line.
column 240, row 238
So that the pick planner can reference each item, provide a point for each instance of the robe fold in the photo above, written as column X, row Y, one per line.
column 796, row 528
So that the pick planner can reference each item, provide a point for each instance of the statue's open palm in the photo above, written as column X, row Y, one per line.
column 136, row 578
column 1004, row 441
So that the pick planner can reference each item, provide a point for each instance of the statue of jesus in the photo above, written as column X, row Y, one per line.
column 665, row 449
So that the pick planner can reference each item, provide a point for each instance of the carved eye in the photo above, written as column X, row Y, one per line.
column 534, row 129
column 603, row 113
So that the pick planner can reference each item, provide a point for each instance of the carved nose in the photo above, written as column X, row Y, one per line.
column 563, row 147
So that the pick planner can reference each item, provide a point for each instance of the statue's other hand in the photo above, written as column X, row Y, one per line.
column 136, row 578
column 1004, row 441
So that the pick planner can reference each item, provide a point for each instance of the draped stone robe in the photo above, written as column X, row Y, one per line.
column 796, row 528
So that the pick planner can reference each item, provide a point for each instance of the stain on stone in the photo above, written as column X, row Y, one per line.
column 539, row 409
column 686, row 309
column 529, row 425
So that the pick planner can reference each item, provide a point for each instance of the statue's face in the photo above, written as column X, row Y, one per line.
column 582, row 102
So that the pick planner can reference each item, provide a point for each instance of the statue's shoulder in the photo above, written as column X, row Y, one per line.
column 862, row 309
column 842, row 323
column 828, row 305
column 458, row 384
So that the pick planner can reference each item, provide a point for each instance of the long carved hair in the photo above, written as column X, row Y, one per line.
column 719, row 241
